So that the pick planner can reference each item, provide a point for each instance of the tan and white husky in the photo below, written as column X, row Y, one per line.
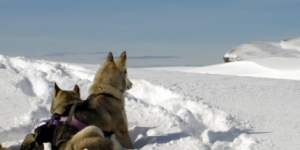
column 90, row 137
column 108, row 102
column 105, row 107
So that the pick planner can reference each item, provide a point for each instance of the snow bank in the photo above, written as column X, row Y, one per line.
column 255, row 50
column 275, row 68
column 26, row 92
column 159, row 118
column 193, row 117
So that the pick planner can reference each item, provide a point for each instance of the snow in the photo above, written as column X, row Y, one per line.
column 255, row 50
column 273, row 67
column 243, row 105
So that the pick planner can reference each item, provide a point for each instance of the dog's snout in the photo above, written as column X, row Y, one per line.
column 128, row 84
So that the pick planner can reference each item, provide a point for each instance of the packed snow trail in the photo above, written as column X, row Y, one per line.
column 269, row 106
column 194, row 119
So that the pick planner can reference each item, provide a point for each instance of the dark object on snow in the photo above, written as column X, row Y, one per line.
column 42, row 134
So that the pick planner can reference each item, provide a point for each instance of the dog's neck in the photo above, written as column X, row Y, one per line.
column 104, row 88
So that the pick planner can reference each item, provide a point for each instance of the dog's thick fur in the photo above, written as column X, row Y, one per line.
column 110, row 112
column 29, row 143
column 63, row 99
column 106, row 109
column 91, row 137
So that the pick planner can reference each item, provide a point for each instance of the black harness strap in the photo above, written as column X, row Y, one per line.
column 44, row 133
column 71, row 113
column 68, row 121
column 67, row 124
column 107, row 134
column 55, row 116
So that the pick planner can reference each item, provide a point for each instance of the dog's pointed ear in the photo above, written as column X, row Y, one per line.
column 110, row 57
column 122, row 59
column 56, row 88
column 76, row 89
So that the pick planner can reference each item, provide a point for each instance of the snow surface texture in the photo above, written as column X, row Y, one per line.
column 254, row 50
column 167, row 108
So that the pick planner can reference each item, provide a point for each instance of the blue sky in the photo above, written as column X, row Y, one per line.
column 154, row 33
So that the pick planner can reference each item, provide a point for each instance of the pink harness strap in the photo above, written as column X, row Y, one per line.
column 74, row 122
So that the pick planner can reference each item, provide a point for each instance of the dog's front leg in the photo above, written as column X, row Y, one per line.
column 124, row 139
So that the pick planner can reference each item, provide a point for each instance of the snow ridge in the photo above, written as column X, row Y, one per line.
column 256, row 50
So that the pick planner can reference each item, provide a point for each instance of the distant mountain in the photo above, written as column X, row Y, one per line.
column 254, row 50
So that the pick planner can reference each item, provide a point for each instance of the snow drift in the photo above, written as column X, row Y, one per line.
column 255, row 50
column 170, row 107
column 158, row 117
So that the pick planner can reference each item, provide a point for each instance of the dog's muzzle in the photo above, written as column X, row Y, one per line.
column 128, row 84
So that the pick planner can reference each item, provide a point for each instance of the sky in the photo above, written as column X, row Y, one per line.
column 153, row 33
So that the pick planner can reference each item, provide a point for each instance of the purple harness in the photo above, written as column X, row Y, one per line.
column 74, row 122
column 55, row 122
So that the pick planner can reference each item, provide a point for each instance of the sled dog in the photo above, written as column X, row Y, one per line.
column 105, row 106
column 90, row 137
column 107, row 100
column 44, row 133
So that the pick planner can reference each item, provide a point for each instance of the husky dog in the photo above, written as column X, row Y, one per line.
column 63, row 99
column 107, row 100
column 90, row 137
column 105, row 106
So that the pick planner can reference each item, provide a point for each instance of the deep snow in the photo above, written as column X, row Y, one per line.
column 169, row 108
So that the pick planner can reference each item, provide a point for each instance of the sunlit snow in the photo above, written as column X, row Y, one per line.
column 252, row 104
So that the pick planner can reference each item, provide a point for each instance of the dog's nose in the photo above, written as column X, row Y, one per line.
column 129, row 85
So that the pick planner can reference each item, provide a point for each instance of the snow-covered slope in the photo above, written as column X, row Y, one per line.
column 269, row 106
column 275, row 67
column 255, row 50
column 159, row 118
column 167, row 108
